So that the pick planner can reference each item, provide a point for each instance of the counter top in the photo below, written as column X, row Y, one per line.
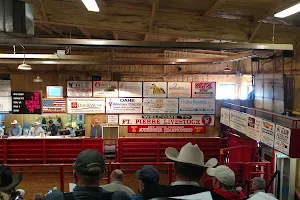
column 47, row 137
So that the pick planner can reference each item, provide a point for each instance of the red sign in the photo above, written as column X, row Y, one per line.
column 166, row 129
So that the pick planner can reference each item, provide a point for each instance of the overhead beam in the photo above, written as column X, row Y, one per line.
column 155, row 7
column 54, row 29
column 84, row 32
column 43, row 10
column 253, row 34
column 213, row 7
column 115, row 35
column 45, row 29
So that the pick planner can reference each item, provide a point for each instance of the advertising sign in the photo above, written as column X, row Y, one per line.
column 224, row 119
column 197, row 106
column 5, row 105
column 254, row 127
column 151, row 105
column 282, row 139
column 204, row 89
column 124, row 105
column 181, row 120
column 26, row 103
column 101, row 89
column 179, row 89
column 267, row 133
column 238, row 121
column 5, row 88
column 166, row 129
column 54, row 106
column 112, row 119
column 130, row 89
column 155, row 89
column 86, row 105
column 79, row 89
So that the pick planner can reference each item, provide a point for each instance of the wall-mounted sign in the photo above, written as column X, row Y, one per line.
column 5, row 105
column 267, row 133
column 154, row 89
column 79, row 89
column 282, row 139
column 160, row 105
column 204, row 89
column 112, row 119
column 254, row 127
column 26, row 103
column 130, row 89
column 179, row 120
column 124, row 105
column 54, row 106
column 179, row 89
column 224, row 119
column 197, row 106
column 105, row 89
column 86, row 105
column 166, row 129
column 238, row 121
column 5, row 88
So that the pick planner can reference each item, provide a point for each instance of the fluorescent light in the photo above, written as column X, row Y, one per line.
column 24, row 66
column 289, row 11
column 91, row 5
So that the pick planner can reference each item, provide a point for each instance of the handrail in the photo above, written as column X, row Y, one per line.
column 277, row 172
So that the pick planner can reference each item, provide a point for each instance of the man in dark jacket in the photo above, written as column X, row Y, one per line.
column 53, row 129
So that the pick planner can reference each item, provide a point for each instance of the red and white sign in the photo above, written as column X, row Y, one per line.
column 166, row 129
column 124, row 105
column 204, row 89
column 100, row 88
column 179, row 89
column 79, row 89
column 160, row 105
column 199, row 120
column 86, row 105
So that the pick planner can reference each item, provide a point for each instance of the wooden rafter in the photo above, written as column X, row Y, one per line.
column 43, row 11
column 84, row 32
column 115, row 35
column 155, row 7
column 45, row 29
column 54, row 29
column 253, row 34
column 214, row 5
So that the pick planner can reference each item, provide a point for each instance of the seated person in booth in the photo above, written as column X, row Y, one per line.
column 96, row 130
column 189, row 168
column 53, row 129
column 89, row 169
column 15, row 129
column 36, row 130
column 26, row 128
column 224, row 181
column 1, row 129
column 116, row 183
column 70, row 129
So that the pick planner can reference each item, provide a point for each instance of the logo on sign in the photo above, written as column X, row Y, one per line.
column 110, row 103
column 126, row 100
column 203, row 86
column 74, row 105
column 206, row 120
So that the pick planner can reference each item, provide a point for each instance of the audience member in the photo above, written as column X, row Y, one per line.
column 36, row 130
column 258, row 185
column 116, row 183
column 89, row 168
column 38, row 196
column 4, row 196
column 15, row 129
column 224, row 181
column 189, row 168
column 53, row 129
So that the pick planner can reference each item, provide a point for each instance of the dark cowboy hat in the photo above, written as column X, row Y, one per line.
column 7, row 180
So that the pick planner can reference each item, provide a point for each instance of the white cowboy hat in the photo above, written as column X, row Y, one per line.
column 68, row 124
column 190, row 154
column 36, row 123
column 14, row 122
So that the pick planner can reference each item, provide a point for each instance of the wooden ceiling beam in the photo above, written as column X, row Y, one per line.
column 54, row 29
column 155, row 7
column 115, row 35
column 43, row 10
column 253, row 34
column 45, row 29
column 84, row 32
column 213, row 7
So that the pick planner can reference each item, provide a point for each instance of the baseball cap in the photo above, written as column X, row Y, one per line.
column 88, row 159
column 148, row 174
column 223, row 174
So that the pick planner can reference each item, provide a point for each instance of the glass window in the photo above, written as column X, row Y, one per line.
column 226, row 91
column 245, row 90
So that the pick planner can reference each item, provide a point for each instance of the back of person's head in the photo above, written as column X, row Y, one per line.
column 223, row 177
column 116, row 175
column 8, row 182
column 38, row 196
column 4, row 196
column 258, row 184
column 189, row 172
column 148, row 175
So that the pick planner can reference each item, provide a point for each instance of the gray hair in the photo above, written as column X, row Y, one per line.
column 260, row 183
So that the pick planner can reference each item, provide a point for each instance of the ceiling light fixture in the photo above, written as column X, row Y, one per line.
column 227, row 69
column 91, row 5
column 289, row 11
column 24, row 66
column 38, row 80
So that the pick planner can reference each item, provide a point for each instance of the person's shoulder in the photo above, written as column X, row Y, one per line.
column 136, row 197
column 119, row 195
column 216, row 196
column 57, row 195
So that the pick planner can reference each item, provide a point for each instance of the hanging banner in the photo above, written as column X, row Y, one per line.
column 5, row 88
column 166, row 129
column 154, row 89
column 238, row 121
column 130, row 89
column 254, row 127
column 179, row 89
column 204, row 89
column 282, row 139
column 26, row 102
column 5, row 105
column 86, row 105
column 199, row 120
column 267, row 133
column 160, row 105
column 224, row 119
column 79, row 89
column 197, row 106
column 124, row 105
column 54, row 106
column 105, row 89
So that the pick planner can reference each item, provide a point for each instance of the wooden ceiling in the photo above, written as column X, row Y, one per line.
column 168, row 20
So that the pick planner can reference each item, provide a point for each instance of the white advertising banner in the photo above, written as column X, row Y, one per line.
column 5, row 88
column 79, row 89
column 112, row 119
column 224, row 119
column 86, row 105
column 282, row 139
column 130, row 89
column 267, row 133
column 5, row 105
column 254, row 127
column 154, row 89
column 179, row 89
column 124, row 105
column 100, row 88
column 151, row 105
column 204, row 89
column 167, row 119
column 197, row 106
column 238, row 121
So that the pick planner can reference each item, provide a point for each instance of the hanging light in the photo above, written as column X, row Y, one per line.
column 24, row 66
column 38, row 80
column 227, row 69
